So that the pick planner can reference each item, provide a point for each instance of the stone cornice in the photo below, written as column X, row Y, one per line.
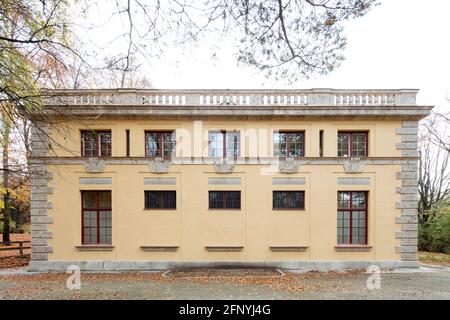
column 52, row 160
column 235, row 112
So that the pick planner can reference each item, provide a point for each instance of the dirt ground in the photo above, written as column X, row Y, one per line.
column 429, row 283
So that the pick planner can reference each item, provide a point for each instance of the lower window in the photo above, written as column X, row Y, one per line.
column 224, row 199
column 288, row 200
column 352, row 217
column 96, row 217
column 160, row 199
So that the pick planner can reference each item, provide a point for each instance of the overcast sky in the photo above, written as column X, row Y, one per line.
column 399, row 44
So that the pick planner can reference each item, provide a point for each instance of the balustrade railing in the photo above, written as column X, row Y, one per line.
column 313, row 97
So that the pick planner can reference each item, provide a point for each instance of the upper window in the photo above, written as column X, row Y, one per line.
column 224, row 199
column 160, row 200
column 96, row 143
column 352, row 144
column 288, row 200
column 224, row 144
column 289, row 144
column 352, row 217
column 96, row 217
column 159, row 144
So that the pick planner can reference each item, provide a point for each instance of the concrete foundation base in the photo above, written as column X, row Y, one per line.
column 299, row 266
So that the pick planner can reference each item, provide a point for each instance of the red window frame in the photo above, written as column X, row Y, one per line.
column 302, row 197
column 98, row 134
column 225, row 136
column 98, row 209
column 161, row 143
column 351, row 209
column 225, row 196
column 161, row 195
column 288, row 133
column 350, row 133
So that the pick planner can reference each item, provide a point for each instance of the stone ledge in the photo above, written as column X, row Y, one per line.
column 352, row 248
column 224, row 248
column 160, row 248
column 94, row 248
column 288, row 248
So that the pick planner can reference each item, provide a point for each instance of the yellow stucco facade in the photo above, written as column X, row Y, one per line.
column 255, row 234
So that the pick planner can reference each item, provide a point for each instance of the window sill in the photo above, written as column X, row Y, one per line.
column 95, row 247
column 161, row 209
column 288, row 248
column 353, row 248
column 159, row 248
column 224, row 248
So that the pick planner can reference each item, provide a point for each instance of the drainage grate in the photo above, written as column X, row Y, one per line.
column 223, row 273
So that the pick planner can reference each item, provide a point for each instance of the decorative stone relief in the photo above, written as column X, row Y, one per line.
column 289, row 166
column 94, row 165
column 224, row 167
column 353, row 165
column 159, row 165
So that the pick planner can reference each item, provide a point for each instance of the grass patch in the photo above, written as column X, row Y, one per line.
column 434, row 258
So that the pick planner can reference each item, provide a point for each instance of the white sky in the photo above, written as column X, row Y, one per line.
column 399, row 44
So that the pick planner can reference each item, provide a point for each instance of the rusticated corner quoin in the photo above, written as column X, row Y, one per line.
column 408, row 235
column 40, row 190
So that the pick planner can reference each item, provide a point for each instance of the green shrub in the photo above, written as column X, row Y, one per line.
column 424, row 240
column 439, row 234
column 434, row 235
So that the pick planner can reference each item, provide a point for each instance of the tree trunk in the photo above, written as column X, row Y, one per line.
column 5, row 160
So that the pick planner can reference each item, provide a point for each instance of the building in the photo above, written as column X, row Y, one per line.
column 294, row 179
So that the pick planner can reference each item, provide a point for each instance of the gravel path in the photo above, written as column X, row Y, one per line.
column 431, row 283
